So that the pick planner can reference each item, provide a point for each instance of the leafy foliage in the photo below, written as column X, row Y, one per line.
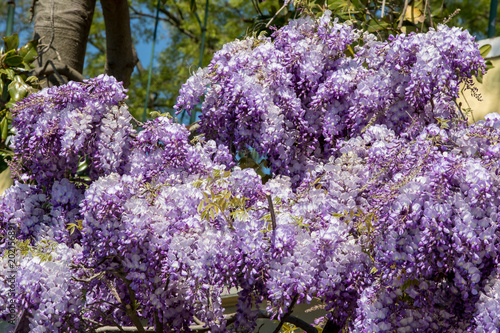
column 15, row 84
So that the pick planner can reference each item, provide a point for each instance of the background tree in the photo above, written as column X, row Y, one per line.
column 65, row 38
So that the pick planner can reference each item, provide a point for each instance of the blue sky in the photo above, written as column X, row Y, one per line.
column 143, row 48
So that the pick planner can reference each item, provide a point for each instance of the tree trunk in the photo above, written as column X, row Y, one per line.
column 120, row 56
column 63, row 27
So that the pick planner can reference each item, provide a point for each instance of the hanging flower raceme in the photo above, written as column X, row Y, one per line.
column 292, row 97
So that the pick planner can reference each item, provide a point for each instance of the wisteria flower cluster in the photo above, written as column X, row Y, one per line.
column 295, row 95
column 381, row 204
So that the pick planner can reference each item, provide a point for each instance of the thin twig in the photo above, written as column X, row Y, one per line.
column 271, row 211
column 287, row 314
column 276, row 14
column 170, row 19
column 90, row 279
column 198, row 321
column 428, row 8
column 158, row 323
column 292, row 320
column 400, row 24
column 57, row 68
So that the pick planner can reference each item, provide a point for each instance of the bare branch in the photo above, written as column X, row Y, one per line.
column 120, row 59
column 198, row 321
column 65, row 26
column 131, row 312
column 58, row 68
column 114, row 292
column 170, row 19
column 202, row 327
column 23, row 325
column 275, row 15
column 90, row 279
column 400, row 25
column 96, row 45
column 292, row 320
column 271, row 210
column 289, row 312
column 199, row 328
column 158, row 323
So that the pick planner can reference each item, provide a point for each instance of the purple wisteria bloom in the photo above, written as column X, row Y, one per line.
column 381, row 203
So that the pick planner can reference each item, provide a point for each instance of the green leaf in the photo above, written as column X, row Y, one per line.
column 223, row 205
column 10, row 104
column 71, row 227
column 489, row 65
column 197, row 183
column 200, row 206
column 28, row 52
column 18, row 89
column 6, row 152
column 82, row 166
column 376, row 25
column 409, row 283
column 3, row 164
column 484, row 50
column 479, row 77
column 4, row 128
column 247, row 162
column 11, row 43
column 154, row 114
column 12, row 60
column 9, row 72
column 33, row 82
column 368, row 221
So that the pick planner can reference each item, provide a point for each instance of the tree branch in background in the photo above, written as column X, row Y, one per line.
column 58, row 69
column 120, row 59
column 64, row 26
column 96, row 45
column 171, row 19
column 178, row 23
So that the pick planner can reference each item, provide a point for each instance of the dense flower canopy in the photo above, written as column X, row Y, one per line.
column 382, row 202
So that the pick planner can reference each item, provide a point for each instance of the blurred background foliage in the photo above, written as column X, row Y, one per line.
column 16, row 82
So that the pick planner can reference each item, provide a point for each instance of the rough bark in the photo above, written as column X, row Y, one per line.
column 120, row 56
column 63, row 27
